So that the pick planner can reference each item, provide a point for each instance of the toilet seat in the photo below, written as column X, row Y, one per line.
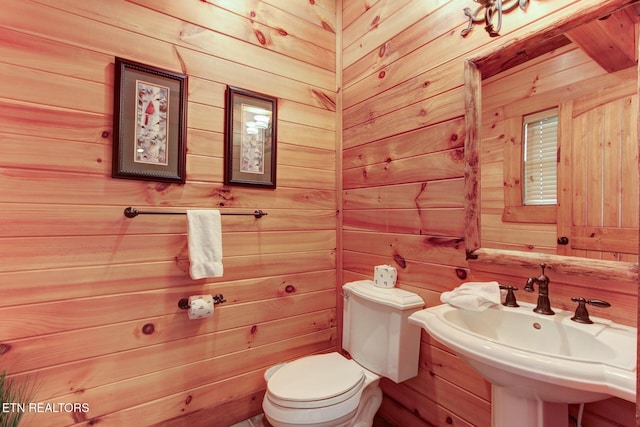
column 316, row 381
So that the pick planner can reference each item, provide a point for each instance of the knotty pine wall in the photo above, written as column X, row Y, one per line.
column 403, row 172
column 88, row 298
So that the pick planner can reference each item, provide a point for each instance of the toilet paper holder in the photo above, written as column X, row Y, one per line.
column 183, row 304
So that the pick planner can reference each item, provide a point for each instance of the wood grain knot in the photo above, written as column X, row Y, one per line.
column 188, row 400
column 261, row 38
column 461, row 273
column 148, row 329
column 161, row 186
column 290, row 289
column 399, row 259
column 105, row 134
column 382, row 74
column 324, row 99
column 457, row 155
column 78, row 417
column 4, row 348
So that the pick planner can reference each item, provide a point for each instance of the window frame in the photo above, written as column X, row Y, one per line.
column 544, row 146
column 513, row 169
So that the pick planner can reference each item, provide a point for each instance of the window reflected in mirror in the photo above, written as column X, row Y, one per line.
column 561, row 110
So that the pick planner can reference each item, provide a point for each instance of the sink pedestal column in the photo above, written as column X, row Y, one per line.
column 508, row 410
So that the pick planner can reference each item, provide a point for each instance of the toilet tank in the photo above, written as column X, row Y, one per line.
column 376, row 330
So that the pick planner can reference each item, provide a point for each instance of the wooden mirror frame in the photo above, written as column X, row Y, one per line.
column 494, row 62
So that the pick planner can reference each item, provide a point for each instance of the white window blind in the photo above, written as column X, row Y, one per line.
column 540, row 158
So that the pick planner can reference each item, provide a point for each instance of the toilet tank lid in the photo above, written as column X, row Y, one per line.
column 394, row 297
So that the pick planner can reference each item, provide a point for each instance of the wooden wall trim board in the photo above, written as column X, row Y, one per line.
column 371, row 171
column 338, row 171
column 473, row 104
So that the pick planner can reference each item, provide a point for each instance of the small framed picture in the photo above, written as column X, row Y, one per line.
column 149, row 123
column 250, row 138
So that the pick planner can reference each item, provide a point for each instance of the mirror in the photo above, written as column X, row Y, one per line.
column 582, row 31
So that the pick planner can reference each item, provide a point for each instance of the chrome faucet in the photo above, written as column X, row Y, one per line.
column 544, row 305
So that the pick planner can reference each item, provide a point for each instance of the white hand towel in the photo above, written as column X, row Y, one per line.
column 475, row 296
column 204, row 230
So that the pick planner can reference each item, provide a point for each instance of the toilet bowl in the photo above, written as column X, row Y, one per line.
column 324, row 390
column 330, row 390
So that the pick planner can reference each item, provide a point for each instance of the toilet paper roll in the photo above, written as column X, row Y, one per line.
column 200, row 306
column 385, row 276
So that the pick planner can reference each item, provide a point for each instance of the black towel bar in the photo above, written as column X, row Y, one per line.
column 132, row 212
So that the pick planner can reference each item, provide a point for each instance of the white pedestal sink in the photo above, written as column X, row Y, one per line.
column 508, row 410
column 537, row 364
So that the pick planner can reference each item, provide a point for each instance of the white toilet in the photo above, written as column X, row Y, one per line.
column 329, row 390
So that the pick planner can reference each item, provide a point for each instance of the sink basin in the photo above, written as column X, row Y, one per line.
column 533, row 358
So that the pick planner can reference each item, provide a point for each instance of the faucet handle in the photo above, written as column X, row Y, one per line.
column 510, row 299
column 582, row 315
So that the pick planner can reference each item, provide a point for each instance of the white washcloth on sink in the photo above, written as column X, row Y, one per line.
column 204, row 237
column 476, row 296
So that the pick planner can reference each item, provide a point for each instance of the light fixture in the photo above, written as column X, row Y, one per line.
column 492, row 9
column 262, row 121
column 261, row 125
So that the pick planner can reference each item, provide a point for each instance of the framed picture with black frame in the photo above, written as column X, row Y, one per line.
column 250, row 138
column 149, row 123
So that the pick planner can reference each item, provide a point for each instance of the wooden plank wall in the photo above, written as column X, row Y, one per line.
column 403, row 135
column 88, row 298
